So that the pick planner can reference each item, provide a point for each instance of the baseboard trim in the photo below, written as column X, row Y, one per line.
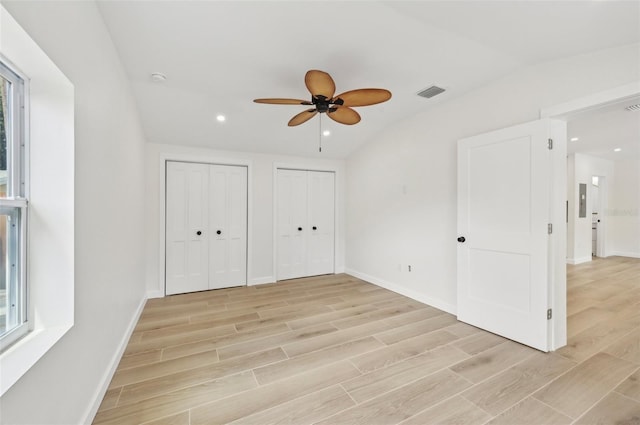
column 155, row 294
column 626, row 254
column 578, row 260
column 433, row 302
column 261, row 280
column 106, row 379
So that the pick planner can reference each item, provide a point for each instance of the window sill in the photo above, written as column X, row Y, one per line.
column 22, row 355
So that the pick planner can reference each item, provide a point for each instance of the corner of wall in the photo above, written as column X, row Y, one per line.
column 433, row 302
column 261, row 280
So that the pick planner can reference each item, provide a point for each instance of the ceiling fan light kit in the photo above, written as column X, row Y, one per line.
column 338, row 108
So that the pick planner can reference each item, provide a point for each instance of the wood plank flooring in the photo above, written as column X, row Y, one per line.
column 338, row 350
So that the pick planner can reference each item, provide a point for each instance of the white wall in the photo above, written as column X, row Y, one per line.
column 623, row 211
column 584, row 168
column 64, row 386
column 261, row 173
column 401, row 187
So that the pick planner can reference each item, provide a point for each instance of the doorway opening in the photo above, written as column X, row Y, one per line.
column 598, row 207
column 601, row 136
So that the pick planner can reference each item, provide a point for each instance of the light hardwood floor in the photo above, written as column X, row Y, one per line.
column 337, row 350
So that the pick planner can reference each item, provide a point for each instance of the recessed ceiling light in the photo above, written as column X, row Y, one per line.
column 635, row 107
column 326, row 133
column 158, row 77
column 221, row 118
column 574, row 139
column 617, row 149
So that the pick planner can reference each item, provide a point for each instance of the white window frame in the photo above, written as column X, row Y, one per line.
column 49, row 129
column 15, row 205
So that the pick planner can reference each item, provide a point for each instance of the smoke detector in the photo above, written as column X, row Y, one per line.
column 158, row 77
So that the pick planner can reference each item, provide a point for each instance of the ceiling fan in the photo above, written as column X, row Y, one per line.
column 338, row 108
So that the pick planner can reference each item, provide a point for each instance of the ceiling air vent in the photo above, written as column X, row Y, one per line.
column 431, row 91
column 635, row 107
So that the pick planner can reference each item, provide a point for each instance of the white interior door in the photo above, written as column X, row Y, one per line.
column 228, row 224
column 305, row 216
column 187, row 240
column 291, row 224
column 504, row 196
column 206, row 227
column 320, row 252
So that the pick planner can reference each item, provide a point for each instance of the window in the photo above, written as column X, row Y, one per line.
column 13, row 209
column 48, row 161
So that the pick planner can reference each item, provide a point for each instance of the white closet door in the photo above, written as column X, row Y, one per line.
column 291, row 224
column 320, row 252
column 228, row 220
column 187, row 242
column 305, row 223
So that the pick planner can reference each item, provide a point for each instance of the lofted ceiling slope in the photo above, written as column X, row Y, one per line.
column 220, row 55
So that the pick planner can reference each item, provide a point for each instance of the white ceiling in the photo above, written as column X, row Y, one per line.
column 600, row 131
column 219, row 55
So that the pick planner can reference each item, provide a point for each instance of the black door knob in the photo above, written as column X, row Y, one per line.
column 198, row 233
column 219, row 232
column 461, row 239
column 299, row 229
column 315, row 228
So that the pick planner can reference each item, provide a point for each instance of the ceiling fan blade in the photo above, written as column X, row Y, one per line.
column 302, row 117
column 320, row 83
column 279, row 101
column 344, row 115
column 364, row 97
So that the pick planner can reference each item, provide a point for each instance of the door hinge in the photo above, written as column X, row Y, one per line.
column 549, row 314
column 549, row 228
column 550, row 144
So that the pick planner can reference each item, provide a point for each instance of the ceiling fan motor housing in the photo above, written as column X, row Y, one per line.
column 323, row 104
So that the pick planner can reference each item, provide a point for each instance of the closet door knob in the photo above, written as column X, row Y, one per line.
column 315, row 228
column 198, row 232
column 219, row 232
column 299, row 229
column 461, row 239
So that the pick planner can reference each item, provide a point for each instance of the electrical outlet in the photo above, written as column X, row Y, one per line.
column 409, row 267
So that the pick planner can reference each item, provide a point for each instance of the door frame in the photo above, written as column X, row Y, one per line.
column 558, row 290
column 337, row 202
column 199, row 159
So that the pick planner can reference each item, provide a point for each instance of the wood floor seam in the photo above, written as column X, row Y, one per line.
column 440, row 403
column 345, row 390
column 480, row 407
column 551, row 407
column 626, row 396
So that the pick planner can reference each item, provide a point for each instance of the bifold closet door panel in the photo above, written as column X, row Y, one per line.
column 305, row 223
column 187, row 232
column 228, row 223
column 321, row 219
column 291, row 224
